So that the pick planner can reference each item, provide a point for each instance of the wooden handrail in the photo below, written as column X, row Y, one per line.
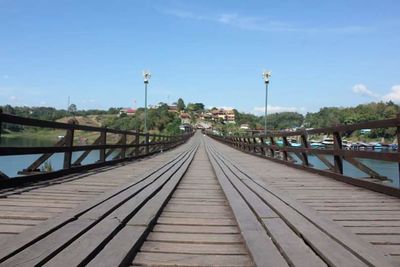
column 150, row 144
column 265, row 146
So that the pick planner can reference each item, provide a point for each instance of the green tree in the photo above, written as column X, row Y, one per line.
column 72, row 109
column 180, row 104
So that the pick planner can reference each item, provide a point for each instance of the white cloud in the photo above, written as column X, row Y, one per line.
column 277, row 109
column 394, row 94
column 13, row 98
column 254, row 23
column 362, row 89
column 183, row 14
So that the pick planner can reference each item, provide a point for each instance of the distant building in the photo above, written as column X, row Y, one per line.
column 127, row 111
column 173, row 108
column 227, row 115
column 244, row 126
column 205, row 116
column 185, row 118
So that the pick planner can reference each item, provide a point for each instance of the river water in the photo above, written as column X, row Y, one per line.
column 10, row 165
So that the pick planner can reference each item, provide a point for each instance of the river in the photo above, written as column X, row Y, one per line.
column 10, row 165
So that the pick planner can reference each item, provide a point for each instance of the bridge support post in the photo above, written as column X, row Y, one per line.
column 137, row 148
column 147, row 143
column 1, row 127
column 262, row 143
column 69, row 142
column 272, row 143
column 398, row 139
column 337, row 145
column 123, row 149
column 103, row 142
column 285, row 145
column 304, row 143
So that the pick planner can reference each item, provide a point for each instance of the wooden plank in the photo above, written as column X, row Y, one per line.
column 182, row 248
column 195, row 215
column 88, row 244
column 195, row 238
column 197, row 229
column 196, row 221
column 289, row 243
column 262, row 249
column 37, row 233
column 168, row 259
column 47, row 246
column 334, row 243
column 12, row 229
column 382, row 239
column 124, row 246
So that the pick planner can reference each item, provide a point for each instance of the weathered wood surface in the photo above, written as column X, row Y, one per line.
column 77, row 237
column 373, row 217
column 31, row 205
column 203, row 204
column 180, row 238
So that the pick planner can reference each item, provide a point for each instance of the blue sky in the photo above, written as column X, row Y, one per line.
column 321, row 53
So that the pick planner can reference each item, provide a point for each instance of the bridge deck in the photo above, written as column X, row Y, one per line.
column 207, row 204
column 197, row 226
column 372, row 216
column 25, row 207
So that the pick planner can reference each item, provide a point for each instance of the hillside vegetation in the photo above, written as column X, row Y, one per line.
column 162, row 120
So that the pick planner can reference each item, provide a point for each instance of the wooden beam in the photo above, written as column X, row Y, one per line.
column 79, row 160
column 36, row 164
column 364, row 168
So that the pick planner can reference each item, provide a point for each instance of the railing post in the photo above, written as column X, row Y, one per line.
column 137, row 148
column 272, row 143
column 123, row 149
column 398, row 140
column 103, row 142
column 163, row 145
column 147, row 143
column 69, row 142
column 262, row 142
column 337, row 145
column 1, row 126
column 304, row 142
column 285, row 145
column 255, row 145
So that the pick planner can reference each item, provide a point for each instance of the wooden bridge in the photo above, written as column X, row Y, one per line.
column 199, row 201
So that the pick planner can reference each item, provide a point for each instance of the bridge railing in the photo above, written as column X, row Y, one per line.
column 295, row 148
column 113, row 146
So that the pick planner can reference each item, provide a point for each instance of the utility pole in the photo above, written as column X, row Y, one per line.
column 146, row 77
column 266, row 76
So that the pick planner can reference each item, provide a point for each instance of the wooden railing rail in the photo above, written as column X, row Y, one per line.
column 285, row 152
column 138, row 146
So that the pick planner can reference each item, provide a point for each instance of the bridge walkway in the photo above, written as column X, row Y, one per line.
column 205, row 205
column 22, row 208
column 372, row 216
column 197, row 226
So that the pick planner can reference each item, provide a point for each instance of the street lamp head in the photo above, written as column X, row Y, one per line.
column 146, row 76
column 266, row 76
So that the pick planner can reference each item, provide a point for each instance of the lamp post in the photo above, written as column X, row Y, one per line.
column 146, row 77
column 266, row 76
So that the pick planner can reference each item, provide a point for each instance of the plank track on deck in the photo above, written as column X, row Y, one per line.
column 202, row 204
column 372, row 216
column 197, row 227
